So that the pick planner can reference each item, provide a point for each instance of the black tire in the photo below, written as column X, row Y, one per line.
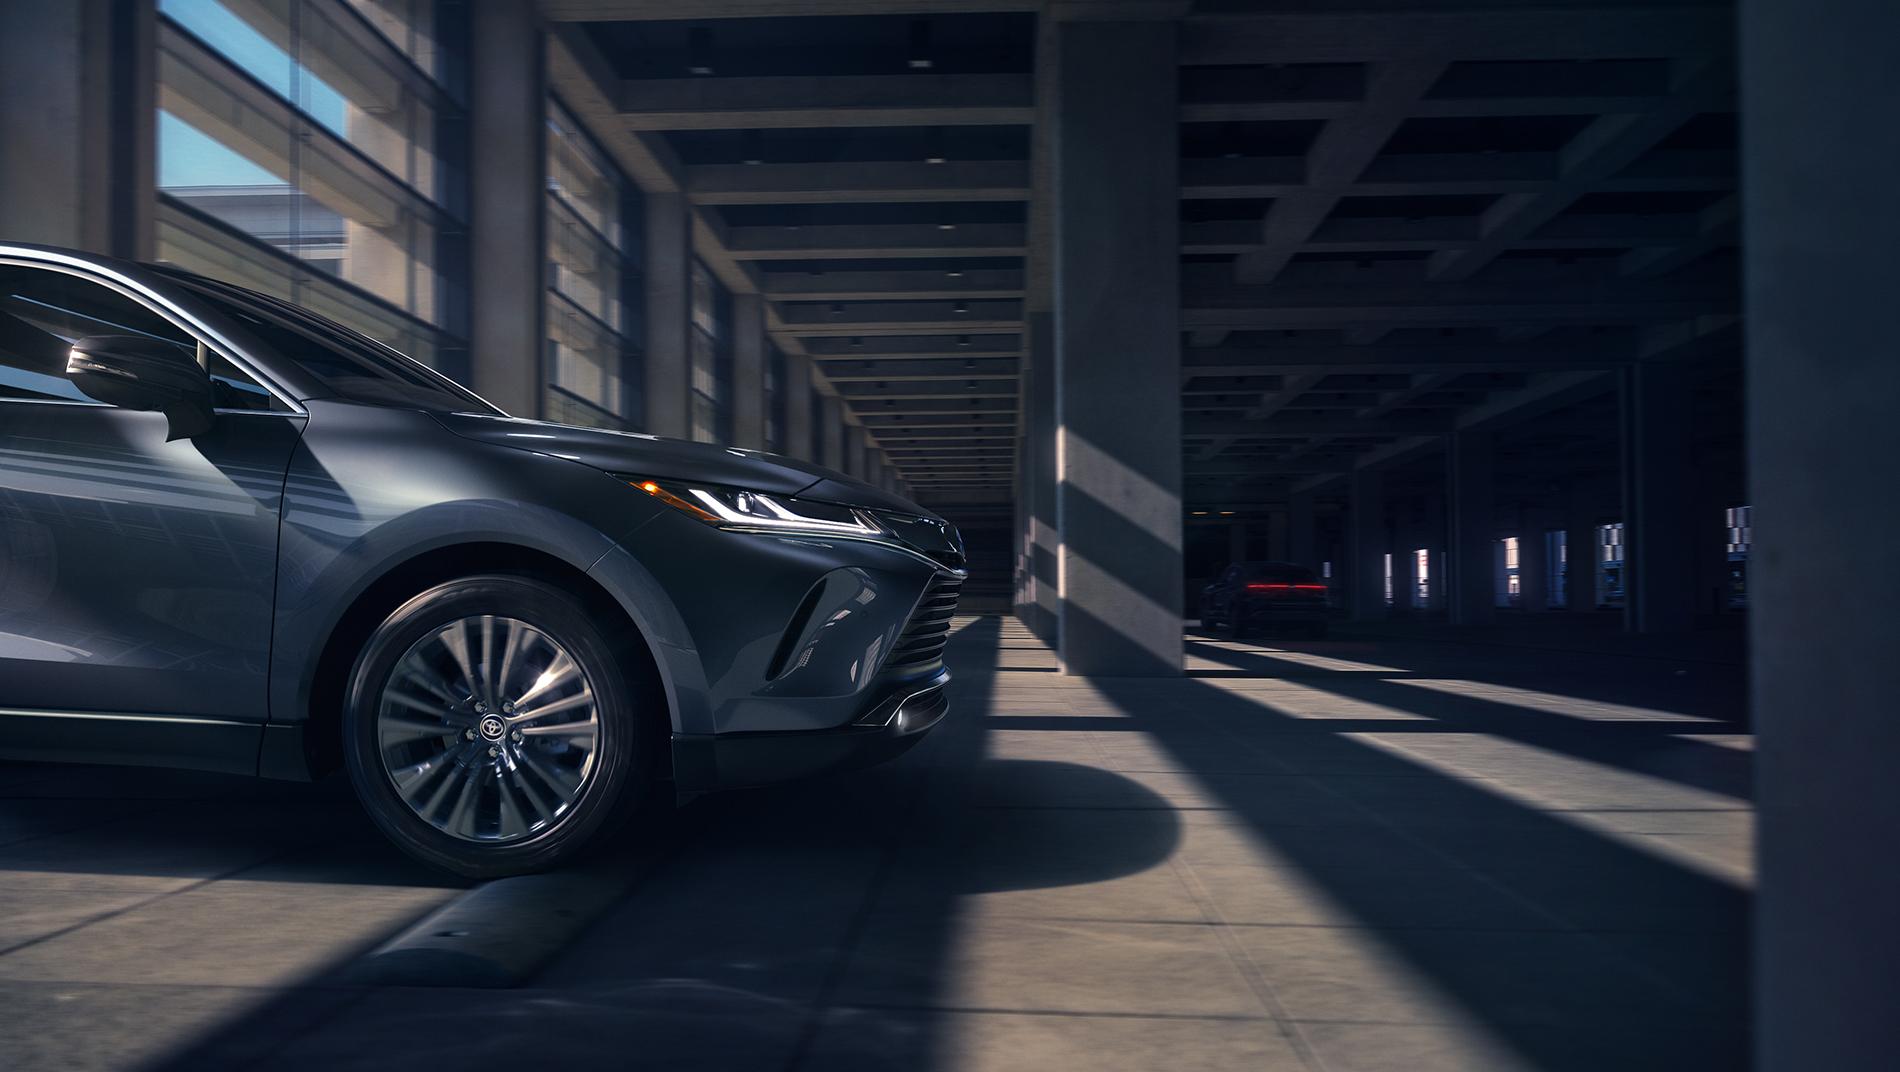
column 621, row 773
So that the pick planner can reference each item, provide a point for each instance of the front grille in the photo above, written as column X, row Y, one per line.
column 919, row 648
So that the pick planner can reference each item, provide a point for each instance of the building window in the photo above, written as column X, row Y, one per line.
column 1421, row 578
column 1609, row 577
column 594, row 288
column 1741, row 535
column 711, row 363
column 301, row 152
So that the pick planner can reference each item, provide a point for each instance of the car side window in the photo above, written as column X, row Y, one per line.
column 43, row 312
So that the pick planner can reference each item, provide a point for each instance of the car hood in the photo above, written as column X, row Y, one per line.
column 639, row 454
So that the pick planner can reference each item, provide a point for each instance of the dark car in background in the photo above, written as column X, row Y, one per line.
column 1261, row 595
column 235, row 536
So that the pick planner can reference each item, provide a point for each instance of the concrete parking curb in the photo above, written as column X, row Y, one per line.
column 497, row 934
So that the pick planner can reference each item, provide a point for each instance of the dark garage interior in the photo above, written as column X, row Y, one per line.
column 1419, row 465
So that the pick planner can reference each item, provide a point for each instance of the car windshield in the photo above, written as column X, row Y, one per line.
column 1276, row 573
column 352, row 366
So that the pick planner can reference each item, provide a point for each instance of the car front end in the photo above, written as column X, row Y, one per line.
column 803, row 614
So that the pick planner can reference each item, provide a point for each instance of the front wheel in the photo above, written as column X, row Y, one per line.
column 489, row 727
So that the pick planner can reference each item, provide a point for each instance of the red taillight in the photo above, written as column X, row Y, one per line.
column 1258, row 587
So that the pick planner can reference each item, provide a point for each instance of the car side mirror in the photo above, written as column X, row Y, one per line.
column 143, row 373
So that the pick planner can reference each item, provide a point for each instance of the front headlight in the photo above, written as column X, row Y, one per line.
column 737, row 508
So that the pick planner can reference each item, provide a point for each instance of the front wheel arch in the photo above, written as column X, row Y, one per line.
column 323, row 730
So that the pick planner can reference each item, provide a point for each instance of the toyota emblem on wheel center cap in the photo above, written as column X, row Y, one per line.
column 493, row 727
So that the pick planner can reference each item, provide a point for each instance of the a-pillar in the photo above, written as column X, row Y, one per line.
column 669, row 297
column 1819, row 233
column 797, row 388
column 1118, row 346
column 79, row 124
column 1659, row 497
column 507, row 117
column 748, row 371
column 1473, row 525
column 1367, row 542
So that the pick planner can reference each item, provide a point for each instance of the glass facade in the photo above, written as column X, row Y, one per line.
column 309, row 149
column 594, row 357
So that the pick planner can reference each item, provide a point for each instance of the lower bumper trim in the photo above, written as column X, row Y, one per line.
column 706, row 762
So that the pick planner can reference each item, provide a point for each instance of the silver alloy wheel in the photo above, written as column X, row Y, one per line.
column 488, row 729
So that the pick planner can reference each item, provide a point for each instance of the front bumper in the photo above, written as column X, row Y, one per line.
column 706, row 762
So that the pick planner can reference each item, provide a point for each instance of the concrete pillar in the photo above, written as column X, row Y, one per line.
column 669, row 276
column 1302, row 535
column 1532, row 564
column 1367, row 540
column 1431, row 536
column 78, row 124
column 748, row 371
column 507, row 118
column 1819, row 233
column 1659, row 496
column 1118, row 347
column 1042, row 589
column 798, row 406
column 1473, row 526
column 831, row 432
column 1404, row 572
column 1237, row 541
column 1580, row 550
column 853, row 451
column 1276, row 536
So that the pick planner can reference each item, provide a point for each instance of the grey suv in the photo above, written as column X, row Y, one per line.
column 235, row 536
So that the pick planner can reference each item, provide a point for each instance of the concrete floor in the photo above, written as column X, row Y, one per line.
column 1359, row 853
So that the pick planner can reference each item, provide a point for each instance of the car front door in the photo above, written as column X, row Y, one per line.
column 136, row 574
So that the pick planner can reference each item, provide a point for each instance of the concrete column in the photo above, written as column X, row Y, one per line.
column 1473, row 526
column 1431, row 536
column 1367, row 540
column 1118, row 347
column 748, row 371
column 1531, row 563
column 1659, row 496
column 1819, row 234
column 669, row 275
column 853, row 451
column 1302, row 536
column 831, row 433
column 1580, row 535
column 507, row 118
column 1237, row 541
column 79, row 124
column 1042, row 589
column 797, row 390
column 1276, row 535
column 1404, row 572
